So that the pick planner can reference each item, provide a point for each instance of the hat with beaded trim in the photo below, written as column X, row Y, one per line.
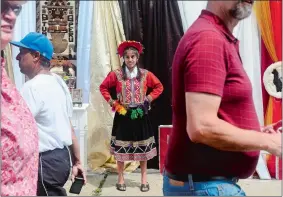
column 129, row 43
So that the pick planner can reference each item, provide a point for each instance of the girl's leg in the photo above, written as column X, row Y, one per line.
column 120, row 165
column 143, row 172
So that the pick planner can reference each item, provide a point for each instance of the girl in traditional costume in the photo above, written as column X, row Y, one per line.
column 132, row 134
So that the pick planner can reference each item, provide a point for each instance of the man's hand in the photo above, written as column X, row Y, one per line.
column 76, row 170
column 275, row 148
column 272, row 128
column 268, row 129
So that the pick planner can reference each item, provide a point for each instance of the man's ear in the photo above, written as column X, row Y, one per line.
column 36, row 56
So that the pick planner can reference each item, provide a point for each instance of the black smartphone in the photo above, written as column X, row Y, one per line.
column 77, row 185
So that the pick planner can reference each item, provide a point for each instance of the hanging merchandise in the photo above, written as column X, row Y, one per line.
column 272, row 80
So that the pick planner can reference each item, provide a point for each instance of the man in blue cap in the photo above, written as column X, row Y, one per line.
column 49, row 100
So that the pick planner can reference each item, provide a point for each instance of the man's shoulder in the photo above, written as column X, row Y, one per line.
column 202, row 25
column 37, row 83
column 29, row 84
column 199, row 38
column 201, row 30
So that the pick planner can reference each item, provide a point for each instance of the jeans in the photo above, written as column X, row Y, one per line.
column 210, row 188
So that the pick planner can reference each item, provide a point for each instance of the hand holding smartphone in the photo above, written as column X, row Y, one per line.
column 77, row 185
column 278, row 126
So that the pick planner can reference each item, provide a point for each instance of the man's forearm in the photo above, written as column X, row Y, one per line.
column 224, row 136
column 75, row 149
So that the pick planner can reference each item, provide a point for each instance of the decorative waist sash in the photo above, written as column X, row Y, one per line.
column 134, row 112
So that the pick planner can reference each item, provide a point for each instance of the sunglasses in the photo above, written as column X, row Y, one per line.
column 6, row 7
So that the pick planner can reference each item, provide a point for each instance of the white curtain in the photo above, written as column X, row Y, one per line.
column 26, row 23
column 190, row 10
column 83, row 48
column 107, row 33
column 248, row 34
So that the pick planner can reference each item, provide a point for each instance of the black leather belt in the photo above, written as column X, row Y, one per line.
column 198, row 178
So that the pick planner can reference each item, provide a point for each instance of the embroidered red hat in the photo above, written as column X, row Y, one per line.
column 127, row 44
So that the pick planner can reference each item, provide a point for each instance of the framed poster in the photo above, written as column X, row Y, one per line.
column 77, row 96
column 58, row 20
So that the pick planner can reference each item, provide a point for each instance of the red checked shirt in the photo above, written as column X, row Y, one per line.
column 19, row 143
column 207, row 60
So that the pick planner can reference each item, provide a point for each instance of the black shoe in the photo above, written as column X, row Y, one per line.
column 121, row 187
column 145, row 187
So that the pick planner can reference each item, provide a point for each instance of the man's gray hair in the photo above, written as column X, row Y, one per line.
column 44, row 62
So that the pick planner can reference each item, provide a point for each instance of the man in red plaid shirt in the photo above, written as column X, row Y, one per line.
column 216, row 135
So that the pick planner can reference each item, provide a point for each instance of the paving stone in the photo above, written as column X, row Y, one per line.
column 252, row 187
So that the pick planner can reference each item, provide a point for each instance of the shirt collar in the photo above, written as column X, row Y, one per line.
column 132, row 74
column 219, row 23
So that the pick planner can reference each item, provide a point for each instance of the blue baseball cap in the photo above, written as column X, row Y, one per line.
column 36, row 42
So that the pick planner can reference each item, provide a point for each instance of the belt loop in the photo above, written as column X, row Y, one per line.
column 191, row 182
